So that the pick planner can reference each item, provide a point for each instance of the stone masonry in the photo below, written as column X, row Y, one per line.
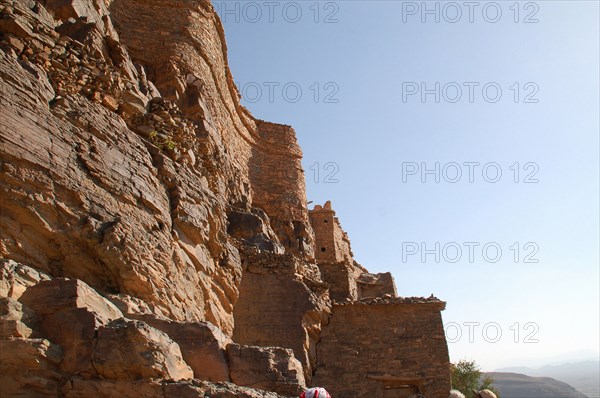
column 155, row 238
column 384, row 348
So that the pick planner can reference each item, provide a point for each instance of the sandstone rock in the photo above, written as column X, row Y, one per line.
column 268, row 368
column 133, row 104
column 84, row 388
column 92, row 10
column 15, row 278
column 277, row 308
column 17, row 26
column 29, row 368
column 253, row 228
column 34, row 354
column 98, row 189
column 81, row 388
column 129, row 166
column 127, row 349
column 71, row 314
column 120, row 58
column 132, row 306
column 202, row 346
column 59, row 294
column 15, row 319
column 110, row 103
column 196, row 388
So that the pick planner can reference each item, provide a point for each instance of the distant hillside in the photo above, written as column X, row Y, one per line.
column 583, row 375
column 515, row 385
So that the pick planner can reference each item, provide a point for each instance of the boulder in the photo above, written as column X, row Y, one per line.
column 15, row 319
column 78, row 387
column 29, row 368
column 71, row 313
column 16, row 277
column 202, row 345
column 253, row 228
column 268, row 368
column 50, row 297
column 127, row 349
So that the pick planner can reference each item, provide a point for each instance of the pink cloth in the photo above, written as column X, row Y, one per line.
column 316, row 392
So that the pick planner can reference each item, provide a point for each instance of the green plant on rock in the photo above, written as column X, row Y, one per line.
column 169, row 144
column 166, row 143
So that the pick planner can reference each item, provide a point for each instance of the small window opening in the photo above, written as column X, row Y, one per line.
column 323, row 249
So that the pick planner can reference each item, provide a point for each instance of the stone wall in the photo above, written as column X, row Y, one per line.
column 376, row 285
column 384, row 348
column 155, row 223
column 282, row 303
column 331, row 242
column 189, row 65
column 268, row 368
column 348, row 280
column 342, row 280
column 278, row 187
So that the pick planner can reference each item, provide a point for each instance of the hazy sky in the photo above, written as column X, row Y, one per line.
column 498, row 101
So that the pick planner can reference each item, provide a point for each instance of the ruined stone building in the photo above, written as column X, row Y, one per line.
column 376, row 344
column 155, row 238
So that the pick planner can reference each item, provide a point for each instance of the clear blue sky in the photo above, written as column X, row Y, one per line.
column 366, row 61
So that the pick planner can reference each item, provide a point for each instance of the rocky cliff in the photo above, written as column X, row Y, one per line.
column 154, row 235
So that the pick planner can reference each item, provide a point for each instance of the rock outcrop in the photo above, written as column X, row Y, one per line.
column 269, row 368
column 155, row 238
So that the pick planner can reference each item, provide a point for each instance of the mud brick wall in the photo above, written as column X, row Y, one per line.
column 384, row 350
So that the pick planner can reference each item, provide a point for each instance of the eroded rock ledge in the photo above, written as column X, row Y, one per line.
column 155, row 236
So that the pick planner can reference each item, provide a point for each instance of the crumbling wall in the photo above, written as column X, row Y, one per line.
column 331, row 242
column 341, row 279
column 376, row 285
column 384, row 348
column 278, row 187
column 348, row 280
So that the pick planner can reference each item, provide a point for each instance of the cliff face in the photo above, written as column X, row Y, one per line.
column 151, row 228
column 135, row 202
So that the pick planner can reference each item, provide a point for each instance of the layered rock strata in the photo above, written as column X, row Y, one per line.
column 155, row 238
